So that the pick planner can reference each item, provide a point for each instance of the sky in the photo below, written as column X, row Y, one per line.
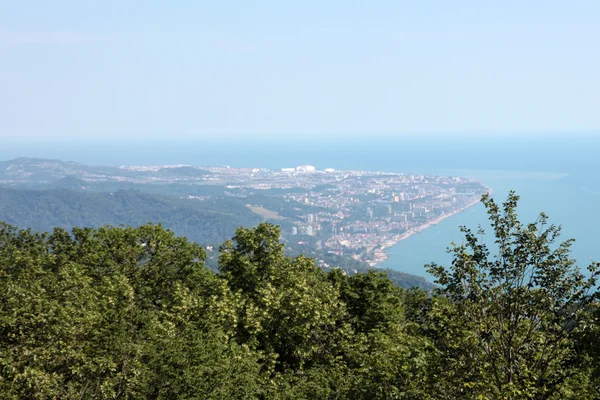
column 195, row 69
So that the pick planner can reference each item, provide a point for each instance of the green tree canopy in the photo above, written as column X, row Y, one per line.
column 522, row 306
column 133, row 313
column 114, row 313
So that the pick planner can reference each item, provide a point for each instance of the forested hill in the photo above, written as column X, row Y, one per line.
column 39, row 171
column 210, row 221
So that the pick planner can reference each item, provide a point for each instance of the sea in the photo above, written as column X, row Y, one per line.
column 558, row 174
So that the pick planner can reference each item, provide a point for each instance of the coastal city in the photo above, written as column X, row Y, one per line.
column 360, row 213
column 352, row 213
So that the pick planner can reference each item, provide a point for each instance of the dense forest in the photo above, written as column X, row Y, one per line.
column 210, row 221
column 134, row 313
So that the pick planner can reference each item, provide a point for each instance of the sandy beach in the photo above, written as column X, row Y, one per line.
column 379, row 255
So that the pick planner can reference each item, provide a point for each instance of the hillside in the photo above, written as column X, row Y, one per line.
column 209, row 221
column 46, row 173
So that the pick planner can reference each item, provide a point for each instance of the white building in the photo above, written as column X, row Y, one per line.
column 305, row 168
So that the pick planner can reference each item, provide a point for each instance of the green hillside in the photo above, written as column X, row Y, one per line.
column 210, row 221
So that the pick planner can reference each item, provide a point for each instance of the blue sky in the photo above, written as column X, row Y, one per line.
column 125, row 70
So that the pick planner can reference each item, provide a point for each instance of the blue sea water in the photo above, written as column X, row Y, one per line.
column 556, row 174
column 573, row 207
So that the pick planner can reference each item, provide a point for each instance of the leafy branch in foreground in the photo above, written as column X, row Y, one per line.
column 521, row 306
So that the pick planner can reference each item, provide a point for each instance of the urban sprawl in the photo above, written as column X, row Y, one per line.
column 356, row 213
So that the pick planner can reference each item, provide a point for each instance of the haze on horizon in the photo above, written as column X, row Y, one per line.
column 123, row 71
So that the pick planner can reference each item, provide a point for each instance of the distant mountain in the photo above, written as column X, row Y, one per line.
column 23, row 170
column 210, row 221
column 36, row 172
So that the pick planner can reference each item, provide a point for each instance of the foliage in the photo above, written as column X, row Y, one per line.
column 134, row 313
column 520, row 308
column 289, row 311
column 210, row 221
column 105, row 313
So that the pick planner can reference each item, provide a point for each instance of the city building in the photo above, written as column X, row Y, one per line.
column 400, row 218
column 305, row 168
column 420, row 210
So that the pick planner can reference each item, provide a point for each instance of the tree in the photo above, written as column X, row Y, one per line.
column 521, row 306
column 385, row 359
column 288, row 310
column 116, row 313
column 371, row 299
column 588, row 344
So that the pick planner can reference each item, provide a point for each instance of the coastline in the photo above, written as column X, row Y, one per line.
column 380, row 256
